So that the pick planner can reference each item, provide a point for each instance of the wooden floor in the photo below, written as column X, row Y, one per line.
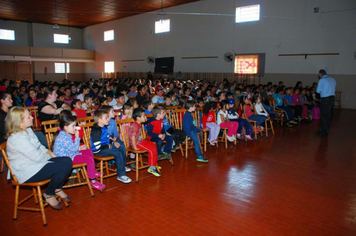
column 295, row 183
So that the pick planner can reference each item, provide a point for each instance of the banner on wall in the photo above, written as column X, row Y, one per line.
column 246, row 64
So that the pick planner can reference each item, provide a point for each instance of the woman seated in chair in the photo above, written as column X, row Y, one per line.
column 32, row 162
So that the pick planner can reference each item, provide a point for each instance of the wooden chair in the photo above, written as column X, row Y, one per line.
column 338, row 99
column 139, row 154
column 198, row 114
column 144, row 135
column 80, row 167
column 85, row 120
column 103, row 161
column 279, row 113
column 268, row 120
column 36, row 121
column 253, row 122
column 177, row 118
column 92, row 109
column 36, row 191
column 223, row 138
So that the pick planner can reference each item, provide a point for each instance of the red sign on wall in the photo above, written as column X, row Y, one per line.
column 246, row 64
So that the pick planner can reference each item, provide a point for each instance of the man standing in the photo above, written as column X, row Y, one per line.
column 326, row 88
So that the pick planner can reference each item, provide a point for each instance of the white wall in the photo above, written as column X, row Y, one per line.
column 41, row 35
column 76, row 72
column 285, row 27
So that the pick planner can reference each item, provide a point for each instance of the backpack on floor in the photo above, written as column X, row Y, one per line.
column 316, row 113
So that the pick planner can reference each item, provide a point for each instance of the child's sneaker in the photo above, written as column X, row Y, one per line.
column 97, row 174
column 97, row 185
column 124, row 179
column 202, row 159
column 238, row 136
column 154, row 172
column 212, row 143
column 127, row 169
column 133, row 165
column 248, row 137
column 166, row 155
column 230, row 138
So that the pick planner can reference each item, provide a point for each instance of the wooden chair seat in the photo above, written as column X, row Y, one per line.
column 34, row 184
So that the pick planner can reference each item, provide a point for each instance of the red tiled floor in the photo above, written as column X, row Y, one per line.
column 293, row 183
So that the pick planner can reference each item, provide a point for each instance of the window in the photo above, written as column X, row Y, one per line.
column 108, row 35
column 59, row 68
column 248, row 13
column 162, row 26
column 109, row 67
column 246, row 64
column 7, row 34
column 61, row 38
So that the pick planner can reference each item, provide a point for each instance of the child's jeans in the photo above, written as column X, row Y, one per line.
column 231, row 126
column 167, row 146
column 152, row 151
column 260, row 119
column 214, row 130
column 119, row 155
column 194, row 136
column 86, row 157
column 242, row 123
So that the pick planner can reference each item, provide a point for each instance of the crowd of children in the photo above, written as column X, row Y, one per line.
column 224, row 105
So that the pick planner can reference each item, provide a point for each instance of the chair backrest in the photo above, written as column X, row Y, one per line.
column 177, row 118
column 4, row 155
column 36, row 121
column 123, row 128
column 86, row 133
column 338, row 95
column 197, row 115
column 118, row 113
column 49, row 124
column 49, row 133
column 87, row 119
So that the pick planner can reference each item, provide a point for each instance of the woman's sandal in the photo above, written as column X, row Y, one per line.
column 64, row 199
column 46, row 198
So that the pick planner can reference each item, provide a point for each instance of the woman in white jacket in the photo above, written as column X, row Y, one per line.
column 32, row 162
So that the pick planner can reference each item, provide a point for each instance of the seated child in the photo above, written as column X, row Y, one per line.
column 120, row 99
column 148, row 105
column 209, row 121
column 136, row 143
column 190, row 128
column 157, row 134
column 88, row 102
column 288, row 112
column 261, row 108
column 234, row 116
column 224, row 122
column 64, row 146
column 77, row 109
column 101, row 145
column 113, row 133
column 251, row 116
column 110, row 98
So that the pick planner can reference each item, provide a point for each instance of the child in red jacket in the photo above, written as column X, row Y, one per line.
column 209, row 121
